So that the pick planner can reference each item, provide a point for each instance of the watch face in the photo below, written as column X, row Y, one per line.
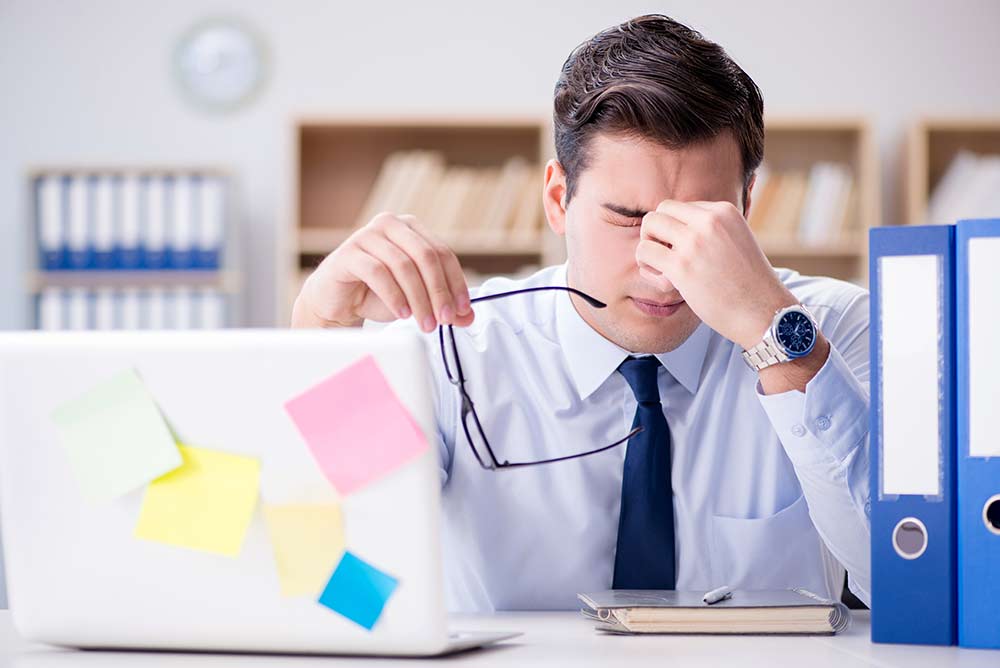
column 796, row 333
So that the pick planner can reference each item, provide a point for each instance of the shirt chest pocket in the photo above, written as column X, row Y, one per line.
column 779, row 551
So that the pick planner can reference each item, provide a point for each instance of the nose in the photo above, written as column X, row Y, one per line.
column 656, row 279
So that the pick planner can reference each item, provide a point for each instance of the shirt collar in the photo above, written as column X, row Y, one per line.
column 591, row 358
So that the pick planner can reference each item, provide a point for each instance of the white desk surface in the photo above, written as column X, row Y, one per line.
column 554, row 639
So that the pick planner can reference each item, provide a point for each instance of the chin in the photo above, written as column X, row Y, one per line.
column 642, row 334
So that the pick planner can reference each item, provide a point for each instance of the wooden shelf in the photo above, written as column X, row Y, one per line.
column 798, row 143
column 337, row 159
column 127, row 170
column 838, row 251
column 226, row 281
column 323, row 241
column 932, row 144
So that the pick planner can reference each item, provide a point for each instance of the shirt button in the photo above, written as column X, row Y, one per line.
column 798, row 430
column 868, row 508
column 823, row 422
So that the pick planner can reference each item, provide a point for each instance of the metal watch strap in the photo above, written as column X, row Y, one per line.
column 764, row 354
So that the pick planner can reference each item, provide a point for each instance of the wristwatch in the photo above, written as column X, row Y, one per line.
column 792, row 335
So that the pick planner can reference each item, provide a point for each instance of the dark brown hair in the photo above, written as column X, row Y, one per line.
column 654, row 78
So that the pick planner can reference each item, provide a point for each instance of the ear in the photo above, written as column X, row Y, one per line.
column 746, row 204
column 554, row 196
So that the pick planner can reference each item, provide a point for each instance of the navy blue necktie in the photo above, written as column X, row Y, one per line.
column 645, row 555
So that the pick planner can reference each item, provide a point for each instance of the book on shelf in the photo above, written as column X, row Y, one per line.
column 824, row 207
column 469, row 207
column 761, row 197
column 813, row 208
column 783, row 215
column 969, row 188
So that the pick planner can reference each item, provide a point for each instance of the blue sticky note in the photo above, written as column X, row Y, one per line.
column 358, row 591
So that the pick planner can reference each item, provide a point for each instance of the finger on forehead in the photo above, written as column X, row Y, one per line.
column 659, row 225
column 708, row 205
column 686, row 211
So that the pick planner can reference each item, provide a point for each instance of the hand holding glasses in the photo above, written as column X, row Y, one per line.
column 470, row 420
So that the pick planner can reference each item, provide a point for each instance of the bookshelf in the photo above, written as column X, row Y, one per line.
column 337, row 161
column 796, row 146
column 126, row 247
column 932, row 145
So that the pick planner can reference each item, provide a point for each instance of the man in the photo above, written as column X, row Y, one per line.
column 753, row 475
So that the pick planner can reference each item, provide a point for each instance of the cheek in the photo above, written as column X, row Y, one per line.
column 611, row 246
column 620, row 248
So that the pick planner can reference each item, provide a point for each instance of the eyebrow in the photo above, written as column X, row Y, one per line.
column 624, row 210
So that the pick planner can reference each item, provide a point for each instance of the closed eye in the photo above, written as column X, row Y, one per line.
column 623, row 216
column 619, row 221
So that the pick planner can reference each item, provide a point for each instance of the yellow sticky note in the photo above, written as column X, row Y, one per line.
column 308, row 542
column 206, row 504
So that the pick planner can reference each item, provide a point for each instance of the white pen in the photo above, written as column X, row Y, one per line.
column 716, row 595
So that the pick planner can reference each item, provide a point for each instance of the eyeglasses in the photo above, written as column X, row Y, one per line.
column 471, row 425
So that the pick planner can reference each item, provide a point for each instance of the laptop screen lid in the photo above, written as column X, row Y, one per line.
column 79, row 575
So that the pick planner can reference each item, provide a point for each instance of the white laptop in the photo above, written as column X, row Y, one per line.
column 77, row 576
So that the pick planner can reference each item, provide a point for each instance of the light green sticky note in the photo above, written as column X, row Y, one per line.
column 206, row 504
column 115, row 437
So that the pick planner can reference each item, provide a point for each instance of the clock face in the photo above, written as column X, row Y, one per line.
column 796, row 333
column 219, row 64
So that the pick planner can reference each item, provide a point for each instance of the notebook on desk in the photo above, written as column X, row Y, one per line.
column 788, row 611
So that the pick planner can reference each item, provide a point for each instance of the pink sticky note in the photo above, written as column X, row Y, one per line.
column 355, row 426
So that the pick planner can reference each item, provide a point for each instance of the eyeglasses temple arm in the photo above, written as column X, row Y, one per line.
column 596, row 303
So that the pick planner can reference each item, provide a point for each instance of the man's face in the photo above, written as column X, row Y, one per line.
column 627, row 177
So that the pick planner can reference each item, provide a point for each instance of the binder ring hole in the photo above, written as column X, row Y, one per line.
column 991, row 514
column 909, row 538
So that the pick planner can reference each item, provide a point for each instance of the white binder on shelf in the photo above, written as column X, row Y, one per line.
column 211, row 223
column 78, row 233
column 154, row 231
column 104, row 309
column 78, row 309
column 50, row 309
column 181, row 243
column 50, row 219
column 130, row 309
column 211, row 309
column 127, row 245
column 182, row 309
column 156, row 309
column 104, row 222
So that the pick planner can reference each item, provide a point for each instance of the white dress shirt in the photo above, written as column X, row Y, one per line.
column 768, row 491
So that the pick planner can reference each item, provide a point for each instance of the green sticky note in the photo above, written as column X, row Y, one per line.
column 206, row 504
column 115, row 438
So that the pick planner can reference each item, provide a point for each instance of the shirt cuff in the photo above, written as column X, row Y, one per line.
column 827, row 421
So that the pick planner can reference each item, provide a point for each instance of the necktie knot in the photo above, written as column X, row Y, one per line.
column 640, row 374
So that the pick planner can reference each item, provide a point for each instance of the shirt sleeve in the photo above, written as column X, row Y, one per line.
column 824, row 431
column 446, row 407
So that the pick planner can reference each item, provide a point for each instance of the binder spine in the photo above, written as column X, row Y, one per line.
column 978, row 253
column 913, row 435
column 50, row 223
